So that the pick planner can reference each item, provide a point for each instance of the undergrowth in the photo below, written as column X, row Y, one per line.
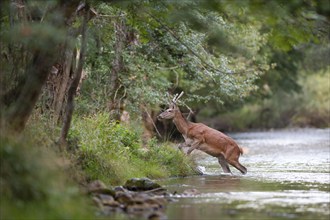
column 39, row 182
column 114, row 153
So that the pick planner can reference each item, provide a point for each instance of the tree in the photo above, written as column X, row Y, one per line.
column 76, row 79
column 213, row 50
column 35, row 40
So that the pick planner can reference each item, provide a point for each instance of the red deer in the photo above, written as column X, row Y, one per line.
column 206, row 139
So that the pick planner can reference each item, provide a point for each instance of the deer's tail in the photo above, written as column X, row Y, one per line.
column 243, row 150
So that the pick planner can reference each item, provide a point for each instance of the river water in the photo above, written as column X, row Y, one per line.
column 288, row 178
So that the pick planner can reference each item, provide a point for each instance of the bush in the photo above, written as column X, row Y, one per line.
column 170, row 158
column 113, row 152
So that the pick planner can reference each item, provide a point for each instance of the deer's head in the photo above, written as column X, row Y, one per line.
column 172, row 109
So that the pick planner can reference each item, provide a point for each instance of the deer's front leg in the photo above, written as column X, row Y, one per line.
column 187, row 142
column 194, row 146
column 184, row 144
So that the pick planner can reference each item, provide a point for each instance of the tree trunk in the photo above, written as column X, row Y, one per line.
column 22, row 108
column 75, row 83
column 36, row 73
column 56, row 93
column 63, row 83
column 116, row 91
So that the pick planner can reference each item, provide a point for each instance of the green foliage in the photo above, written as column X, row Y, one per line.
column 314, row 102
column 169, row 157
column 33, row 186
column 283, row 75
column 22, row 36
column 113, row 153
column 169, row 54
column 220, row 53
column 311, row 107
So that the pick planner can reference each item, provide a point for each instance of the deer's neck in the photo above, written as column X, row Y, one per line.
column 181, row 123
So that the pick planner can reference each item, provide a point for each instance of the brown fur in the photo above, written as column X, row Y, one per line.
column 201, row 137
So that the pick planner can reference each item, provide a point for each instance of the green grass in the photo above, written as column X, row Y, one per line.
column 114, row 153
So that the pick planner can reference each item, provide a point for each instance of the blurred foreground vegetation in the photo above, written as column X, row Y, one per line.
column 82, row 81
column 36, row 183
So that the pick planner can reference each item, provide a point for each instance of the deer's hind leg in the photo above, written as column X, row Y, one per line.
column 223, row 163
column 232, row 157
column 238, row 166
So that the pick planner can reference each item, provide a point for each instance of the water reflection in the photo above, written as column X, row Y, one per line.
column 288, row 177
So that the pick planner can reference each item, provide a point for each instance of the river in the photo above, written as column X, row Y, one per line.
column 288, row 178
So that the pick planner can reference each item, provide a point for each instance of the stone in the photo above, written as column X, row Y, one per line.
column 98, row 187
column 139, row 197
column 124, row 197
column 108, row 200
column 141, row 184
column 190, row 192
column 120, row 189
column 157, row 216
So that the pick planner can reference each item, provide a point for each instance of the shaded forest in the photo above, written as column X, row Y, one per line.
column 81, row 84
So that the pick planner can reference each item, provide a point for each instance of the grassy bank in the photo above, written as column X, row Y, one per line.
column 114, row 153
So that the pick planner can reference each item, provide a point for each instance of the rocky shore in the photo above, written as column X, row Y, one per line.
column 138, row 197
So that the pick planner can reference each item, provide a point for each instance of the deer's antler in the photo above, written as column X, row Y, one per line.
column 176, row 97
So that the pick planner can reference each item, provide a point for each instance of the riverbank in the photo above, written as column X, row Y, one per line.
column 39, row 182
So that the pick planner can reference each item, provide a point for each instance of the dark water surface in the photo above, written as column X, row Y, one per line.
column 288, row 178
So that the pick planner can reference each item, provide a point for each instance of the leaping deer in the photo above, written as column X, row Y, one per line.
column 206, row 139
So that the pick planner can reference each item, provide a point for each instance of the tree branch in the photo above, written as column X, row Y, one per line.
column 204, row 63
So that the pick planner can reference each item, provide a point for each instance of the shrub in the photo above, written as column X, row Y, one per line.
column 113, row 152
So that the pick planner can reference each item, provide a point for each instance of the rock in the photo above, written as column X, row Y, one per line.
column 110, row 192
column 97, row 201
column 137, row 209
column 157, row 216
column 98, row 187
column 124, row 197
column 120, row 189
column 157, row 202
column 97, row 184
column 157, row 191
column 141, row 184
column 110, row 210
column 137, row 198
column 108, row 200
column 190, row 192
